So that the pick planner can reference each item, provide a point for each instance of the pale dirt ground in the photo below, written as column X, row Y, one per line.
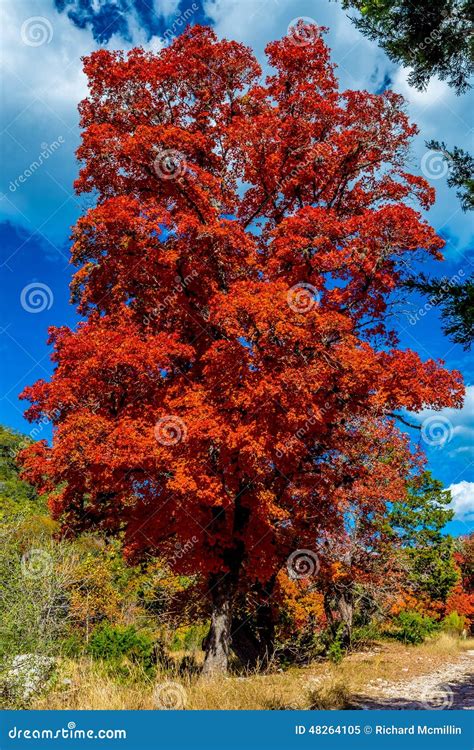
column 449, row 686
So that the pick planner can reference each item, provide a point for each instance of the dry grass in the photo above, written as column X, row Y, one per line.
column 332, row 694
column 87, row 684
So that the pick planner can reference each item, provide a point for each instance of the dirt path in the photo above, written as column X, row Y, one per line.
column 450, row 686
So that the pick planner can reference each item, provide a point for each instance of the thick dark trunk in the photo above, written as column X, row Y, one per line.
column 343, row 600
column 217, row 642
column 253, row 640
column 222, row 589
column 345, row 605
column 244, row 643
column 328, row 611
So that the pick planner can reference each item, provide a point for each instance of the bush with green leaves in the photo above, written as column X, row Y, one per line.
column 17, row 498
column 335, row 649
column 366, row 634
column 454, row 624
column 189, row 637
column 113, row 642
column 414, row 628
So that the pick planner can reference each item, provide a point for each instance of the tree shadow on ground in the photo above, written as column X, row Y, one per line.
column 452, row 695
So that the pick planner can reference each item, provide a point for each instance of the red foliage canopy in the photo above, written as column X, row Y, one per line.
column 234, row 379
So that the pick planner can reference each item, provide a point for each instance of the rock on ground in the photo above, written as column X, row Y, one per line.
column 27, row 674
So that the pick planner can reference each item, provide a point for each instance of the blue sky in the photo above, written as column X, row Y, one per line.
column 42, row 83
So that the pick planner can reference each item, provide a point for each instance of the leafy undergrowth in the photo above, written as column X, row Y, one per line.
column 88, row 684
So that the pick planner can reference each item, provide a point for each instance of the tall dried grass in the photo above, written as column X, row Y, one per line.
column 87, row 684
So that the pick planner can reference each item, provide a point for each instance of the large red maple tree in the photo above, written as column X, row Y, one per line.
column 235, row 369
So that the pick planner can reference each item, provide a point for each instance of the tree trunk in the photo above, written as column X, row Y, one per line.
column 253, row 640
column 222, row 589
column 345, row 606
column 328, row 611
column 343, row 599
column 217, row 642
column 244, row 643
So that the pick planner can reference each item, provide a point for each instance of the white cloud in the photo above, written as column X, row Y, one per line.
column 449, row 429
column 166, row 8
column 426, row 99
column 463, row 500
column 462, row 420
column 257, row 22
column 42, row 85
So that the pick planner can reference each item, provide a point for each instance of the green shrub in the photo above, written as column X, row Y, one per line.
column 73, row 646
column 365, row 634
column 412, row 627
column 454, row 623
column 113, row 642
column 189, row 638
column 335, row 649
